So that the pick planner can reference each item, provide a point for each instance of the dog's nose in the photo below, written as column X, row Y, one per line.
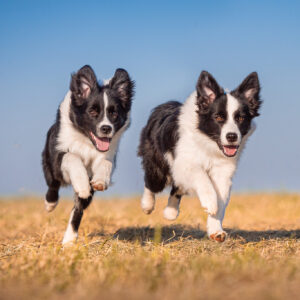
column 231, row 137
column 106, row 129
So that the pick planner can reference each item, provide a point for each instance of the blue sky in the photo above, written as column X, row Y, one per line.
column 164, row 45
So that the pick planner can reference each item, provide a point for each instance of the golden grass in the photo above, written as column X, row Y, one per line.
column 123, row 253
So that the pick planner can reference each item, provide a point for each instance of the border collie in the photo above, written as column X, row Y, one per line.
column 82, row 144
column 194, row 147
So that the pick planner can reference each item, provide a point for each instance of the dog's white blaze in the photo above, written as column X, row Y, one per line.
column 105, row 120
column 230, row 125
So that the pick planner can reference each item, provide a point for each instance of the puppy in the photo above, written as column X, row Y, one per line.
column 194, row 147
column 82, row 144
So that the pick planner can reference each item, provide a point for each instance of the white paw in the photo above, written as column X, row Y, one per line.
column 100, row 184
column 219, row 236
column 211, row 207
column 148, row 204
column 50, row 206
column 147, row 209
column 70, row 237
column 171, row 213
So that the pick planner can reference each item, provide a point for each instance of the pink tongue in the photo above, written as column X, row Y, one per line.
column 230, row 151
column 102, row 144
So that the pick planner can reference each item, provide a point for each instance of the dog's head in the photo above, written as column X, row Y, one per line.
column 100, row 111
column 226, row 117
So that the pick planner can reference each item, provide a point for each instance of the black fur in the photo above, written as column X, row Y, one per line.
column 159, row 136
column 176, row 192
column 252, row 101
column 51, row 162
column 80, row 205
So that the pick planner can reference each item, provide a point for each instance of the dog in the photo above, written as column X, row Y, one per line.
column 194, row 147
column 82, row 144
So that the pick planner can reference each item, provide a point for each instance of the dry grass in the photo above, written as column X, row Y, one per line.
column 123, row 253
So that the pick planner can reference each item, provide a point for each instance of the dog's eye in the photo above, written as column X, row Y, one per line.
column 240, row 119
column 219, row 118
column 113, row 114
column 93, row 113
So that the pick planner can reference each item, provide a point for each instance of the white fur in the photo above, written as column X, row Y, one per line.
column 82, row 160
column 171, row 211
column 50, row 206
column 230, row 125
column 70, row 235
column 148, row 201
column 201, row 167
column 75, row 173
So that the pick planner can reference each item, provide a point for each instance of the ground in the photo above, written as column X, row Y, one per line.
column 123, row 253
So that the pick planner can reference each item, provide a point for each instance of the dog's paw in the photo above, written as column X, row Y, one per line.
column 50, row 206
column 99, row 185
column 171, row 213
column 148, row 203
column 219, row 237
column 147, row 208
column 70, row 237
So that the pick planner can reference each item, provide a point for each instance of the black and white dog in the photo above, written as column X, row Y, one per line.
column 81, row 146
column 195, row 147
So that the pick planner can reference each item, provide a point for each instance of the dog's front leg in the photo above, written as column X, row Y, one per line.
column 75, row 173
column 205, row 192
column 222, row 182
column 101, row 170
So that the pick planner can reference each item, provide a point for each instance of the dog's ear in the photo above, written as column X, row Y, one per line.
column 123, row 87
column 82, row 83
column 207, row 91
column 249, row 89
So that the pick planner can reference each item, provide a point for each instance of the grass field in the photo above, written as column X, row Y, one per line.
column 122, row 253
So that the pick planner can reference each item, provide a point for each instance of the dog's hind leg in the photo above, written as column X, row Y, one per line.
column 81, row 204
column 51, row 161
column 155, row 182
column 171, row 211
column 51, row 200
column 53, row 183
column 148, row 201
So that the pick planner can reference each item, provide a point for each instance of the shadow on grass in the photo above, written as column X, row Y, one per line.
column 165, row 234
column 256, row 236
column 169, row 234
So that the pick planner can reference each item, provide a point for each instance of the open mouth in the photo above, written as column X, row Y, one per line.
column 102, row 144
column 230, row 151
